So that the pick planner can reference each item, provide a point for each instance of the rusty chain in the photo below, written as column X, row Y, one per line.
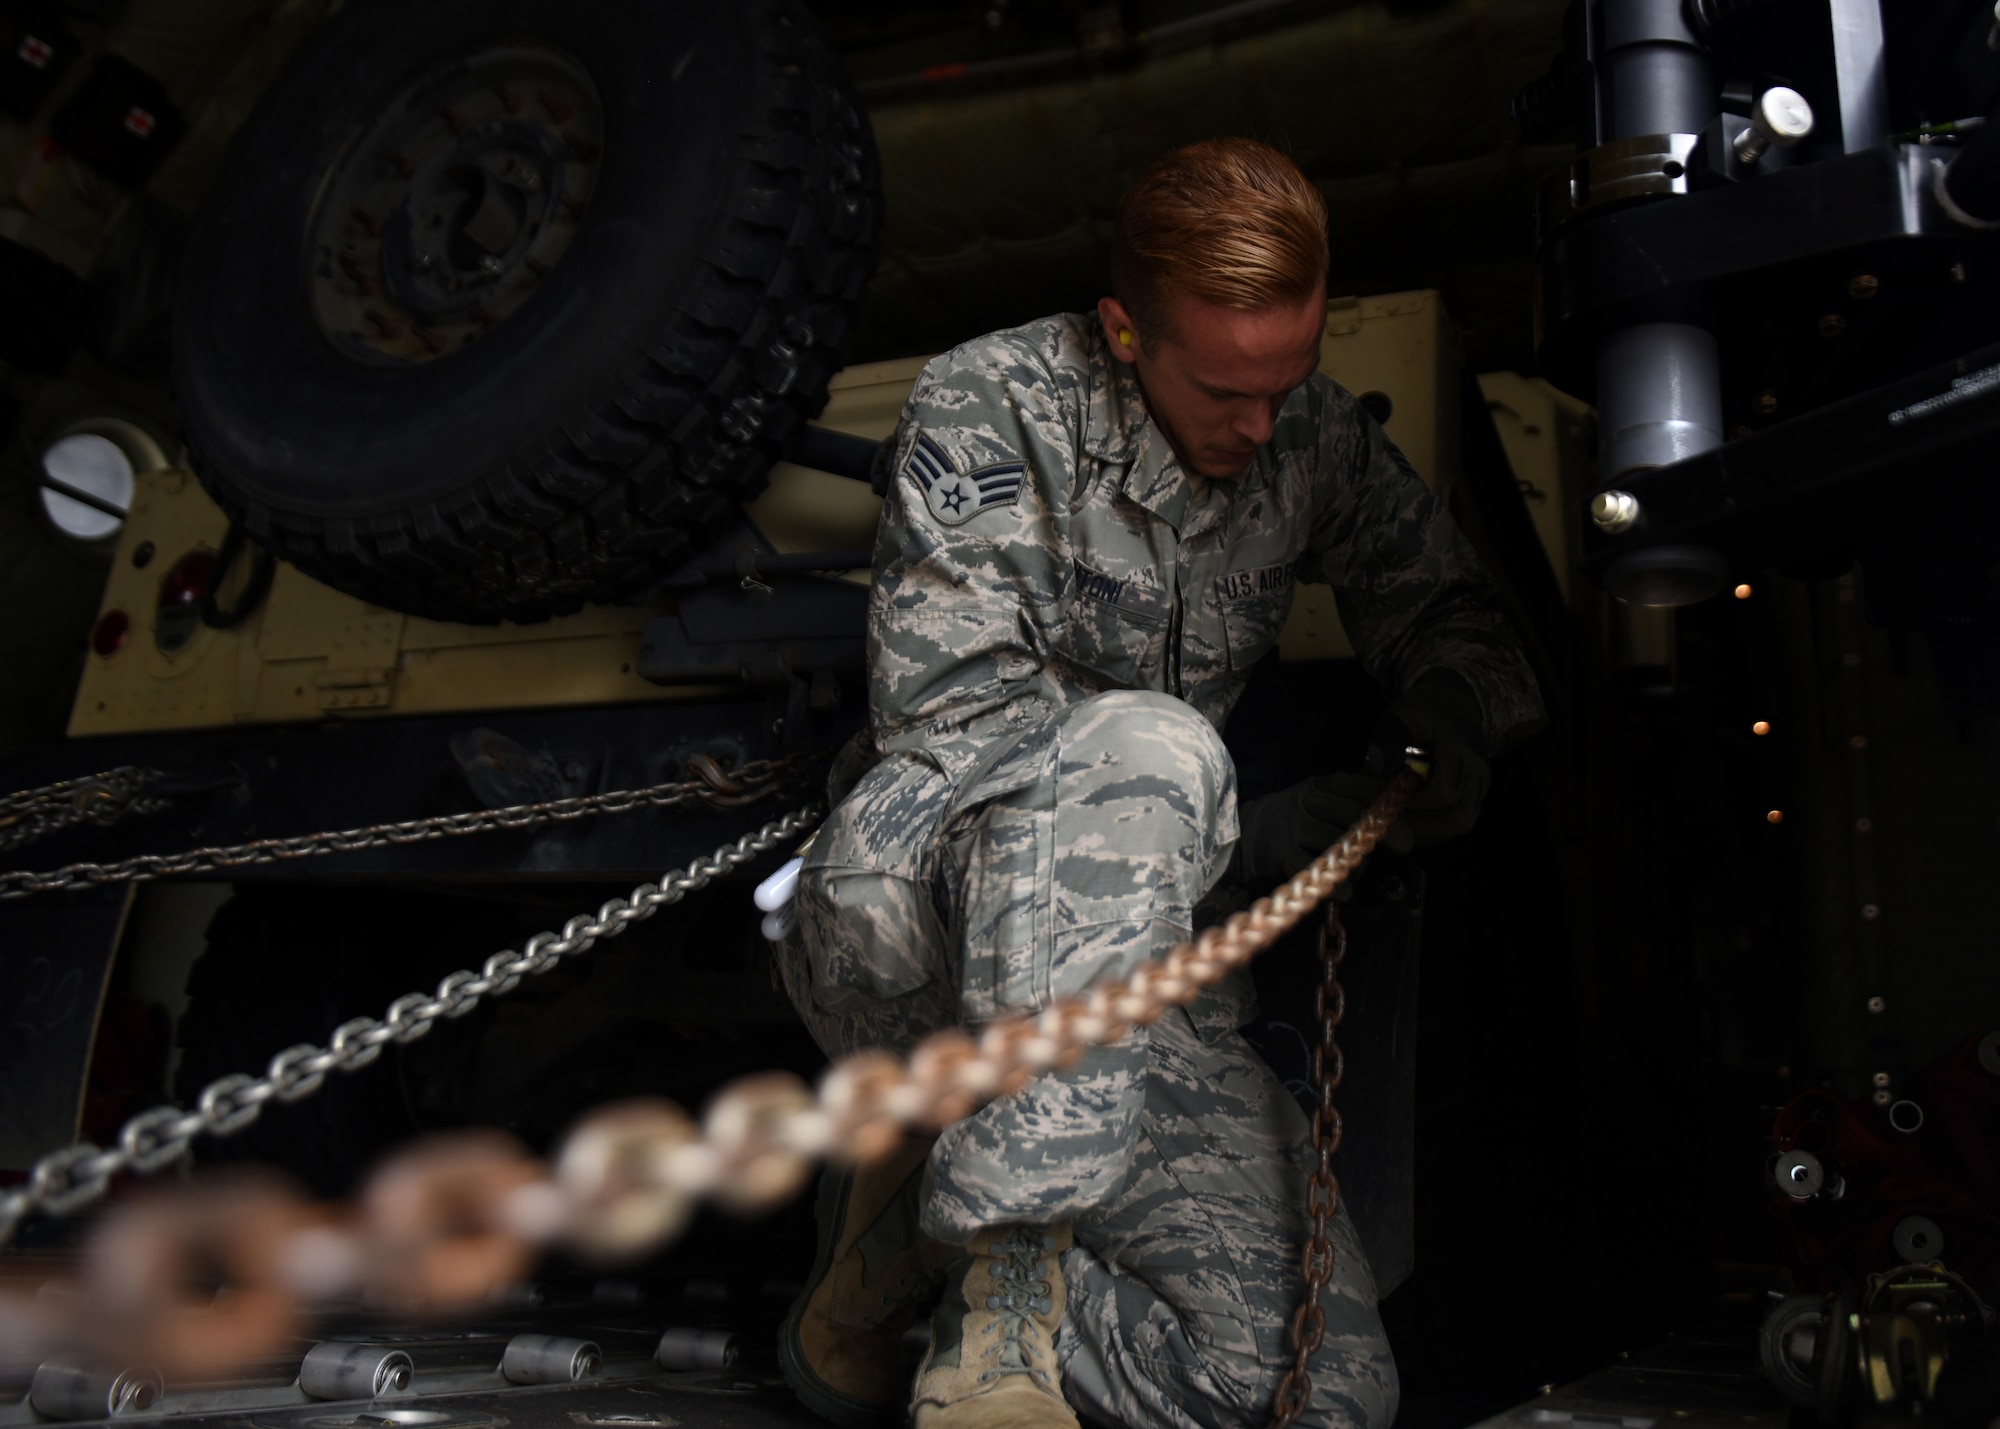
column 1322, row 1187
column 72, row 1177
column 713, row 786
column 104, row 798
column 444, row 1222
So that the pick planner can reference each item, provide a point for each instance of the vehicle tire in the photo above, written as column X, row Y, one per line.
column 497, row 304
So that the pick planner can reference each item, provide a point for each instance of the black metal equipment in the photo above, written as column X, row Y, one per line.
column 1774, row 265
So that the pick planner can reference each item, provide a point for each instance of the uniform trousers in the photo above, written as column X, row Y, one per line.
column 1180, row 1160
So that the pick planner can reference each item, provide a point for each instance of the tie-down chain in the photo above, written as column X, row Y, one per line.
column 444, row 1223
column 104, row 798
column 1308, row 1328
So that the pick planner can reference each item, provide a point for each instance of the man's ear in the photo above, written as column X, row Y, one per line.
column 1121, row 334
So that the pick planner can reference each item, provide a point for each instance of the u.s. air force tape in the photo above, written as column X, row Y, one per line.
column 955, row 497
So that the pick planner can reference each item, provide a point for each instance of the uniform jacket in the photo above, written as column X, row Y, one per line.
column 1041, row 543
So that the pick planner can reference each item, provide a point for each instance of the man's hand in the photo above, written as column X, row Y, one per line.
column 1284, row 832
column 1441, row 715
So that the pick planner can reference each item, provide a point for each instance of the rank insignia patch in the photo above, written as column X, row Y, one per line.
column 955, row 497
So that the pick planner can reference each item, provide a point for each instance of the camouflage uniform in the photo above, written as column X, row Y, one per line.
column 1061, row 621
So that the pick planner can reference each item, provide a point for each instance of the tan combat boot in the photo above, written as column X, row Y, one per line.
column 841, row 1347
column 992, row 1362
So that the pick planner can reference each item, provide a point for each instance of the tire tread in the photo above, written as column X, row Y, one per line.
column 605, row 506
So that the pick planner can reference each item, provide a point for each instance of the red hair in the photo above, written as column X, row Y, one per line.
column 1228, row 221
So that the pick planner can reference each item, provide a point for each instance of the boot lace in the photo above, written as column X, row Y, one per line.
column 1023, row 1267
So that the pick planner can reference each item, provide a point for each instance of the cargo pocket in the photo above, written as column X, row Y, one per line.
column 1001, row 865
column 869, row 927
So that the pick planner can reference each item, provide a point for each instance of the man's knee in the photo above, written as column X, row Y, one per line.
column 1148, row 727
column 1149, row 746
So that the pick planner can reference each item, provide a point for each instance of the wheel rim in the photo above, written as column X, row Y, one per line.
column 444, row 217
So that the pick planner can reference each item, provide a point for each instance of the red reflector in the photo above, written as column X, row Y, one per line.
column 187, row 581
column 108, row 636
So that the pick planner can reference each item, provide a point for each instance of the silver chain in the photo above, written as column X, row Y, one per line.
column 95, row 799
column 714, row 786
column 65, row 1180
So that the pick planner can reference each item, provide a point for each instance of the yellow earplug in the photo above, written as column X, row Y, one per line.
column 1124, row 337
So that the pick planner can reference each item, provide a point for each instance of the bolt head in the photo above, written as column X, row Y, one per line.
column 1863, row 286
column 1785, row 113
column 1832, row 325
column 1614, row 511
column 1766, row 403
column 1800, row 1175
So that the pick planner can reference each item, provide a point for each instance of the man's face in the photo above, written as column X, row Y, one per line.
column 1215, row 381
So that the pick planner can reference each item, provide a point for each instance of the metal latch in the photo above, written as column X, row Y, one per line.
column 367, row 687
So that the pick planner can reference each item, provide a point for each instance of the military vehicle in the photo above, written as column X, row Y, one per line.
column 435, row 413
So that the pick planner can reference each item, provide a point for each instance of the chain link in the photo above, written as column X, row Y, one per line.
column 1322, row 1188
column 712, row 785
column 65, row 1180
column 103, row 798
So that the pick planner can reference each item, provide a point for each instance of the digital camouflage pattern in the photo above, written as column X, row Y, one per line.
column 1182, row 1287
column 1061, row 622
column 1174, row 1152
